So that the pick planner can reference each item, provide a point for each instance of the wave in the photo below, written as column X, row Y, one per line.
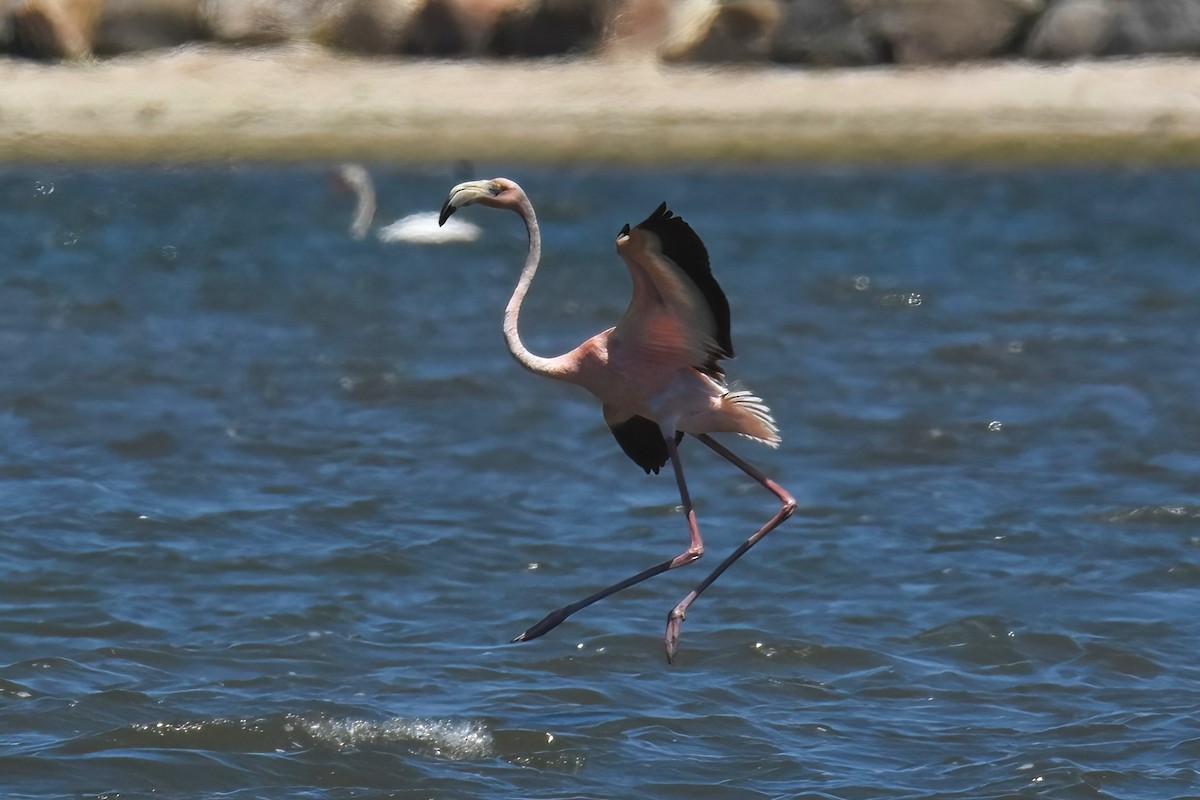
column 443, row 738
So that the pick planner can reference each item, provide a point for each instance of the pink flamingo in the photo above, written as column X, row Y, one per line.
column 657, row 372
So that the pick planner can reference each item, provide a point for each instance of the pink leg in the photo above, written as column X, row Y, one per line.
column 694, row 551
column 679, row 613
column 696, row 545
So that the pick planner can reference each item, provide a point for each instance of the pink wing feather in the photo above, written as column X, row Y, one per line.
column 678, row 312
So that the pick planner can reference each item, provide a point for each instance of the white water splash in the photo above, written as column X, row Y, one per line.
column 456, row 739
column 444, row 738
column 423, row 228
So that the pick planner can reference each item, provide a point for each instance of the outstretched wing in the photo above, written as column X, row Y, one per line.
column 677, row 313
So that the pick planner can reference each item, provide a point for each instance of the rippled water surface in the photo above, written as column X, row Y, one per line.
column 273, row 501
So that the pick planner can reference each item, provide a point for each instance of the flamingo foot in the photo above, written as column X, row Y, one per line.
column 675, row 623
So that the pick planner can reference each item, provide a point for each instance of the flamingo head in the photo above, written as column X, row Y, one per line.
column 497, row 193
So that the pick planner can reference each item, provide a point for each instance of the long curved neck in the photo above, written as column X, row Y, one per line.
column 512, row 334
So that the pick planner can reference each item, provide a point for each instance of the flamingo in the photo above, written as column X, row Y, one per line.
column 418, row 228
column 657, row 373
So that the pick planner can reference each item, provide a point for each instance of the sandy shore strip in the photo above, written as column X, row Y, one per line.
column 211, row 103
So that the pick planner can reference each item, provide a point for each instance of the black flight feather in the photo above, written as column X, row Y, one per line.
column 642, row 441
column 681, row 244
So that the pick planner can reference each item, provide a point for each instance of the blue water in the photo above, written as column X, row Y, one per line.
column 273, row 501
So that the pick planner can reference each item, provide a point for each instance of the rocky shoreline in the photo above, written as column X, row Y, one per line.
column 646, row 81
column 203, row 104
column 828, row 33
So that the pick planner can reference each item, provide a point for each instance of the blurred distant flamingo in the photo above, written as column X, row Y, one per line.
column 419, row 228
column 657, row 373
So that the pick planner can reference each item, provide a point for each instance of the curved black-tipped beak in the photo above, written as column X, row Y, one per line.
column 464, row 195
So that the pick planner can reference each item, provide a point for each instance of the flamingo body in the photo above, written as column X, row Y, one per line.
column 422, row 228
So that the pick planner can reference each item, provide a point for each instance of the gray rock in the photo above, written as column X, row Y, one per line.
column 365, row 26
column 825, row 33
column 48, row 29
column 260, row 21
column 937, row 31
column 133, row 25
column 638, row 26
column 437, row 29
column 549, row 28
column 1073, row 29
column 1155, row 26
column 711, row 31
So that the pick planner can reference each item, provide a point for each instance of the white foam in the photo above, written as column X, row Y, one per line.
column 448, row 738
